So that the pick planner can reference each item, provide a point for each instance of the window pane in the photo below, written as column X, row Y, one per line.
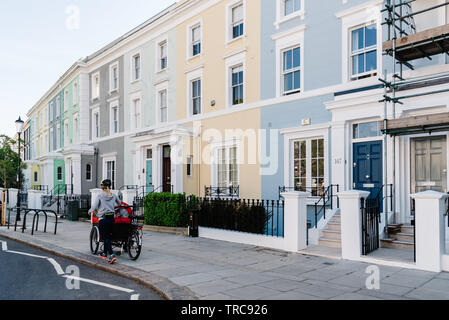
column 237, row 14
column 358, row 65
column 296, row 57
column 371, row 61
column 365, row 130
column 297, row 80
column 288, row 60
column 288, row 82
column 237, row 31
column 371, row 36
column 196, row 34
column 357, row 39
column 289, row 7
column 321, row 148
column 303, row 150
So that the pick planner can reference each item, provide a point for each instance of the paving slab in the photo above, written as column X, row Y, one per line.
column 180, row 267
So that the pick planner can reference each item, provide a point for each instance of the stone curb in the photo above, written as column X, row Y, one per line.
column 164, row 287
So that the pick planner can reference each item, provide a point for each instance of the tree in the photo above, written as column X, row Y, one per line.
column 9, row 163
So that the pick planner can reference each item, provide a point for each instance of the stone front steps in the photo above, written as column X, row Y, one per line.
column 400, row 237
column 331, row 236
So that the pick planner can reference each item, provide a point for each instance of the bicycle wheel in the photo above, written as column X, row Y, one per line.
column 94, row 243
column 134, row 246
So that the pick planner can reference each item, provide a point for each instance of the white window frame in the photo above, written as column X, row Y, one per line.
column 215, row 147
column 287, row 40
column 66, row 132
column 75, row 92
column 95, row 134
column 106, row 160
column 62, row 173
column 51, row 142
column 189, row 162
column 229, row 22
column 313, row 132
column 133, row 98
column 361, row 51
column 160, row 92
column 111, row 77
column 191, row 77
column 189, row 37
column 58, row 136
column 66, row 100
column 231, row 63
column 58, row 106
column 95, row 86
column 159, row 45
column 280, row 13
column 114, row 105
column 85, row 171
column 286, row 72
column 363, row 14
column 134, row 77
column 75, row 128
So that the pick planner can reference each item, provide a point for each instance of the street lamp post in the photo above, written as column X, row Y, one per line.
column 19, row 127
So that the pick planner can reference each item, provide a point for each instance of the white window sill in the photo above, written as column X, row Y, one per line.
column 189, row 59
column 161, row 71
column 299, row 14
column 292, row 93
column 231, row 41
column 135, row 81
column 113, row 91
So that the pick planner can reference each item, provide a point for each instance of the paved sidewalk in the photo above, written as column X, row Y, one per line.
column 183, row 268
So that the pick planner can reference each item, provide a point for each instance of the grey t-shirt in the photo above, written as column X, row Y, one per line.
column 105, row 204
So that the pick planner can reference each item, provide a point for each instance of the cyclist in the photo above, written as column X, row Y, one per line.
column 104, row 207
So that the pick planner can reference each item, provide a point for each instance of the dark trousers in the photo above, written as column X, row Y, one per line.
column 105, row 227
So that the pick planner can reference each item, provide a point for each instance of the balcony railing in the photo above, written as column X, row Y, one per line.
column 222, row 192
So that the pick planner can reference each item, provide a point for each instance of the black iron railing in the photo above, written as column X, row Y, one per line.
column 326, row 199
column 222, row 192
column 327, row 196
column 314, row 191
column 251, row 216
column 370, row 209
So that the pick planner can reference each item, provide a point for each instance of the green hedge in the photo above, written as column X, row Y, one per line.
column 167, row 210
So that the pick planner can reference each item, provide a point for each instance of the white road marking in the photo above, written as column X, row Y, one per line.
column 27, row 254
column 100, row 284
column 4, row 246
column 57, row 266
column 61, row 272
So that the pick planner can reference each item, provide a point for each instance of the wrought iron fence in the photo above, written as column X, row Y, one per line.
column 327, row 197
column 370, row 209
column 222, row 192
column 262, row 217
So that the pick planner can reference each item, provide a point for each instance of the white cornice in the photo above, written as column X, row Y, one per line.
column 356, row 9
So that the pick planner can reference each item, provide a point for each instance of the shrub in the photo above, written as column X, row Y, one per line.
column 167, row 210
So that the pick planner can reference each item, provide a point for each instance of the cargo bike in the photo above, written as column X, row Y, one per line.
column 126, row 232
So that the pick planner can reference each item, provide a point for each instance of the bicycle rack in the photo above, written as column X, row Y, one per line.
column 35, row 224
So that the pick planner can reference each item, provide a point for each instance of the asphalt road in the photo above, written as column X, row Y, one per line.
column 30, row 274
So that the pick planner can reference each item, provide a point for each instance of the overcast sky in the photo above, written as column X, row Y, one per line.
column 41, row 39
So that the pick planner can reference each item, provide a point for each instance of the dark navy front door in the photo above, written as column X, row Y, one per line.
column 368, row 167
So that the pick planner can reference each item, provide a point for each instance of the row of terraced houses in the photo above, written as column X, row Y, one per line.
column 248, row 96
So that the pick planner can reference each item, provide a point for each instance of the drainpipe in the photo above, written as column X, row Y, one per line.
column 385, row 202
column 96, row 167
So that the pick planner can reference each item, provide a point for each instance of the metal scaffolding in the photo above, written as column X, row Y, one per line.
column 403, row 45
